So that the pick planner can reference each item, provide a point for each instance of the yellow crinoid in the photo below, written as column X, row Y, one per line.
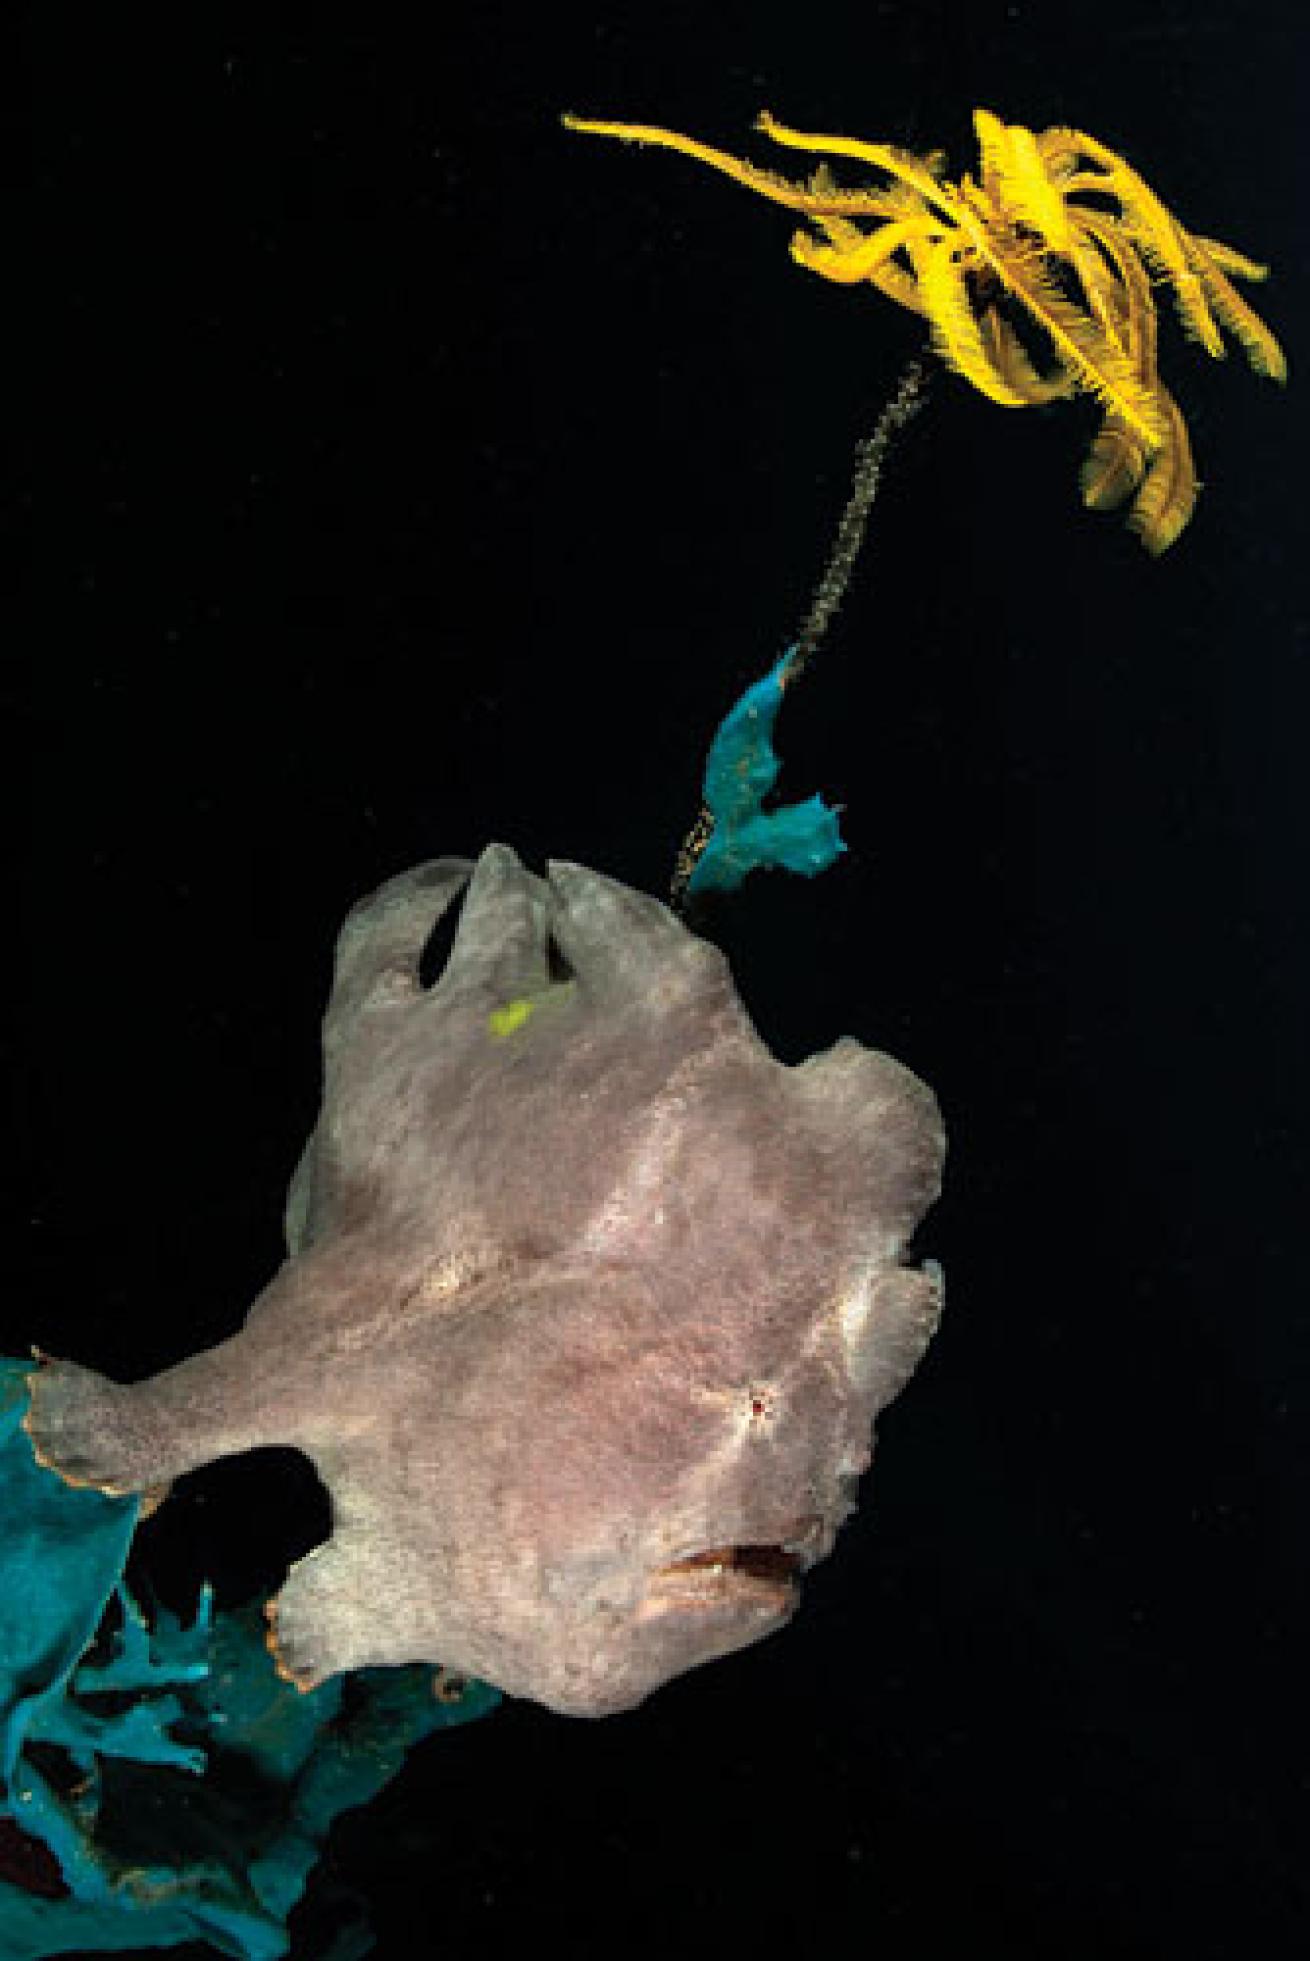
column 1057, row 236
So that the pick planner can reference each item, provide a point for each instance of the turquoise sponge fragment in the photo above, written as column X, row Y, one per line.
column 740, row 771
column 180, row 1790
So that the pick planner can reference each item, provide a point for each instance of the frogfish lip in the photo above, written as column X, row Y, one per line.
column 758, row 1575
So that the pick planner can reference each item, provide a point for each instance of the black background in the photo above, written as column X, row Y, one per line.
column 409, row 473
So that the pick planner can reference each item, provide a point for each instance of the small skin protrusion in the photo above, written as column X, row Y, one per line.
column 763, row 1405
column 67, row 1477
column 288, row 1674
column 153, row 1498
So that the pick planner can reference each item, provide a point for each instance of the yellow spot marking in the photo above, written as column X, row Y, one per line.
column 503, row 1021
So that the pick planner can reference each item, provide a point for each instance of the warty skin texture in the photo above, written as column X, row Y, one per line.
column 588, row 1308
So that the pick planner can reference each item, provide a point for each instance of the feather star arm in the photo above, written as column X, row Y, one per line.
column 1022, row 239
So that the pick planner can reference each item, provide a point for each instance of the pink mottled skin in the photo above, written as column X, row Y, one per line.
column 588, row 1308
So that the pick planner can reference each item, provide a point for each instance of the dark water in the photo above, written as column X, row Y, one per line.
column 410, row 473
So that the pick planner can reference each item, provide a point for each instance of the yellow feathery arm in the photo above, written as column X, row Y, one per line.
column 1118, row 459
column 954, row 326
column 1099, row 365
column 1010, row 358
column 1103, row 293
column 1229, row 260
column 1158, row 236
column 1167, row 497
column 993, row 147
column 1019, row 182
column 904, row 204
column 1242, row 321
column 1129, row 294
column 898, row 163
column 889, row 278
column 1113, row 467
column 767, row 183
column 849, row 262
column 1015, row 178
column 1099, row 279
column 1059, row 154
column 894, row 201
